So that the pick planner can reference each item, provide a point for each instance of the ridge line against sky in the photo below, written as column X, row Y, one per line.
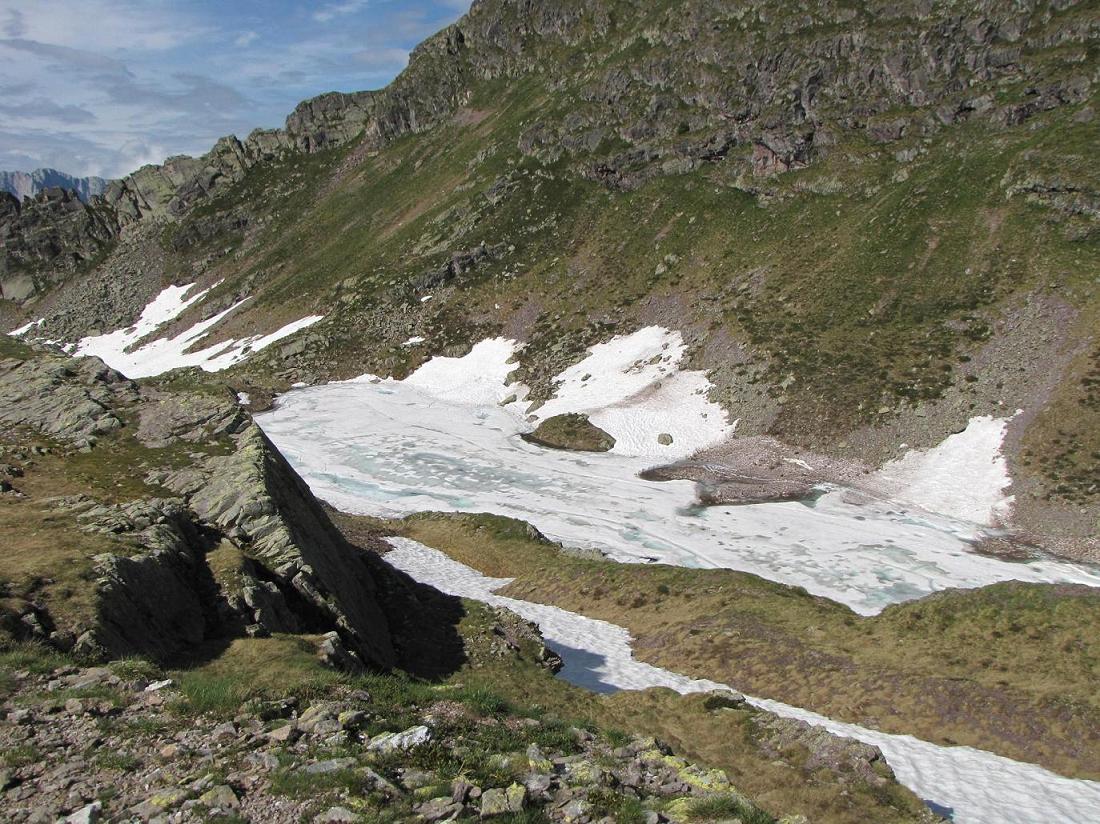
column 102, row 87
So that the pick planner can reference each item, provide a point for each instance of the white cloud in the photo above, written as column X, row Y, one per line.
column 108, row 26
column 334, row 10
column 102, row 86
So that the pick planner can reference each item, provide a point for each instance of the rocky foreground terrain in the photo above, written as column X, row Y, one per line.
column 108, row 743
column 187, row 636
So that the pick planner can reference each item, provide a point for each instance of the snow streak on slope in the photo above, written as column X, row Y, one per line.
column 478, row 378
column 441, row 441
column 633, row 388
column 973, row 786
column 117, row 349
column 965, row 476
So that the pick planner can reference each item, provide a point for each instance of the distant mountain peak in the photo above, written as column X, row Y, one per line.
column 28, row 184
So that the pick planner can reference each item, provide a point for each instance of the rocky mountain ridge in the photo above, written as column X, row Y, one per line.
column 793, row 88
column 865, row 217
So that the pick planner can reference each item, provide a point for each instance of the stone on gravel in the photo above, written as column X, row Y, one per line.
column 336, row 815
column 400, row 741
column 497, row 801
column 86, row 815
column 330, row 765
column 221, row 796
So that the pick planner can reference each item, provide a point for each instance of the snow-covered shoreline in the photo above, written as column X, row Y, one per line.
column 972, row 786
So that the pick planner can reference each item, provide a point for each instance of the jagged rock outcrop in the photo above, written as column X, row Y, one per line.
column 47, row 237
column 74, row 400
column 256, row 499
column 155, row 593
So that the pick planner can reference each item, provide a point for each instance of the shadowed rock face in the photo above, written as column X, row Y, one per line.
column 155, row 595
column 255, row 498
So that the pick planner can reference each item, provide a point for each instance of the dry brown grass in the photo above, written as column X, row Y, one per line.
column 46, row 557
column 1010, row 668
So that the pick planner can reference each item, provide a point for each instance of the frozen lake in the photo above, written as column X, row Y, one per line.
column 391, row 448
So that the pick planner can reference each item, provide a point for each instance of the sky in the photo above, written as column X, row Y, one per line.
column 101, row 87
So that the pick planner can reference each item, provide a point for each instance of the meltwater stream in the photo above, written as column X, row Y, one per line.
column 390, row 449
column 968, row 785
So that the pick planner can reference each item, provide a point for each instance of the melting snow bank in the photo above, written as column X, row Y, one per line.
column 965, row 476
column 25, row 328
column 633, row 388
column 972, row 786
column 163, row 354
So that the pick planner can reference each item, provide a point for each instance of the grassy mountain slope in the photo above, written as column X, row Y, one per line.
column 871, row 221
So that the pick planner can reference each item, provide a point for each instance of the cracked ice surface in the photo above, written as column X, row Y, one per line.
column 440, row 440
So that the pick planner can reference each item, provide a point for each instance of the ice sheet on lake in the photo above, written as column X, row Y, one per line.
column 973, row 786
column 444, row 443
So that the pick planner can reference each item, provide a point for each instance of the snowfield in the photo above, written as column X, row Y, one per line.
column 120, row 349
column 972, row 786
column 633, row 388
column 965, row 476
column 445, row 440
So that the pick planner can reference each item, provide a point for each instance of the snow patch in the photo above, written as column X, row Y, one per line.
column 976, row 786
column 478, row 378
column 633, row 388
column 414, row 340
column 157, row 356
column 965, row 476
column 22, row 330
column 243, row 399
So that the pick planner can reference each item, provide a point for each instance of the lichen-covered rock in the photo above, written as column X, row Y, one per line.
column 74, row 400
column 503, row 801
column 571, row 431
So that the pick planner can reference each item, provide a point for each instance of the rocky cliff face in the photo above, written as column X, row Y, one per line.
column 45, row 238
column 708, row 77
column 28, row 184
column 285, row 568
